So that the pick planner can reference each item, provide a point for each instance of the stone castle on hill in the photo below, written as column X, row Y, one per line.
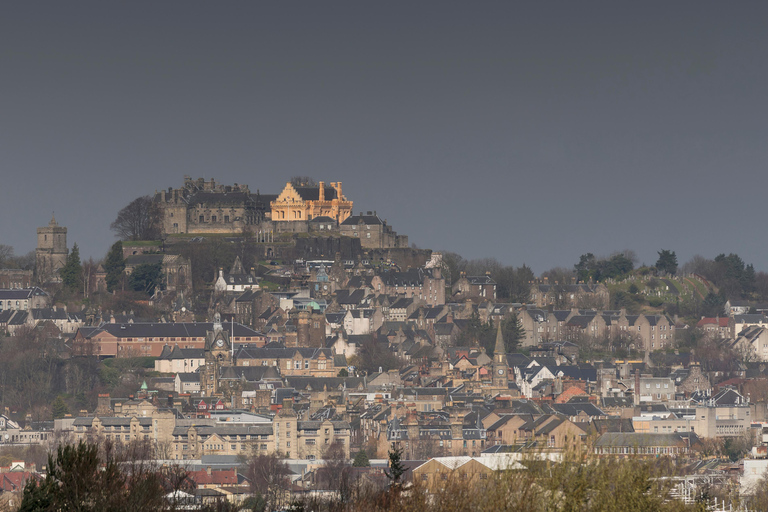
column 207, row 207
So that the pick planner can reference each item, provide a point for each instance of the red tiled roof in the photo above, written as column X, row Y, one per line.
column 720, row 322
column 15, row 480
column 217, row 477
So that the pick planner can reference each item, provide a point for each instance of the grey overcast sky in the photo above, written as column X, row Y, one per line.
column 532, row 132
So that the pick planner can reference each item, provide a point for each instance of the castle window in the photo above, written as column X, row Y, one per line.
column 202, row 218
column 226, row 218
column 213, row 218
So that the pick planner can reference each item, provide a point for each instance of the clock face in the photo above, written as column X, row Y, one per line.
column 501, row 371
column 220, row 342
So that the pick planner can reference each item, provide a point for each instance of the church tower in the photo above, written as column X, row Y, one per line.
column 218, row 354
column 51, row 253
column 500, row 366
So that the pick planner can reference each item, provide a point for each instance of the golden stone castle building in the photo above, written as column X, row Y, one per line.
column 202, row 206
column 306, row 202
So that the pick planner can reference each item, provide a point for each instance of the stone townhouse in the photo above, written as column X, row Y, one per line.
column 506, row 429
column 324, row 390
column 424, row 318
column 23, row 299
column 427, row 285
column 474, row 286
column 534, row 323
column 625, row 444
column 373, row 232
column 174, row 359
column 363, row 321
column 431, row 434
column 236, row 280
column 194, row 441
column 304, row 361
column 156, row 427
column 654, row 389
column 717, row 327
column 299, row 439
column 752, row 343
column 401, row 309
column 64, row 321
column 691, row 379
column 742, row 322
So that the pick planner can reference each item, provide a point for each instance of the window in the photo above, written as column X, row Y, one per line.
column 202, row 218
column 213, row 218
column 226, row 218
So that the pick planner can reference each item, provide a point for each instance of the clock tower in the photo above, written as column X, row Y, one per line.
column 500, row 366
column 218, row 354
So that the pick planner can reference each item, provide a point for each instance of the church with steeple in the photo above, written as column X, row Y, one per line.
column 500, row 367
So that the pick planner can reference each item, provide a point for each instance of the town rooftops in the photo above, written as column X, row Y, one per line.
column 166, row 330
column 21, row 293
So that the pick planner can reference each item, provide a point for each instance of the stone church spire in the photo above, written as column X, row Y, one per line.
column 499, row 350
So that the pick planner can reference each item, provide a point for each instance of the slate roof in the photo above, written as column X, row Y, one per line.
column 220, row 198
column 249, row 373
column 20, row 318
column 324, row 383
column 21, row 293
column 322, row 219
column 480, row 280
column 575, row 408
column 175, row 352
column 160, row 330
column 283, row 353
column 620, row 439
column 335, row 318
column 370, row 220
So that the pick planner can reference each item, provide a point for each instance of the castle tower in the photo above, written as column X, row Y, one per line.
column 51, row 253
column 500, row 366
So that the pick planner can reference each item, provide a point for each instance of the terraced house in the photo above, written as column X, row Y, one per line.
column 305, row 361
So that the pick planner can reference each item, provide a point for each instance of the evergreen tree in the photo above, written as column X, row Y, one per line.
column 114, row 265
column 60, row 408
column 146, row 277
column 513, row 331
column 361, row 460
column 667, row 262
column 72, row 271
column 396, row 467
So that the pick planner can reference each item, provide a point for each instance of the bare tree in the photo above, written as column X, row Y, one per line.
column 137, row 221
column 336, row 473
column 269, row 476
